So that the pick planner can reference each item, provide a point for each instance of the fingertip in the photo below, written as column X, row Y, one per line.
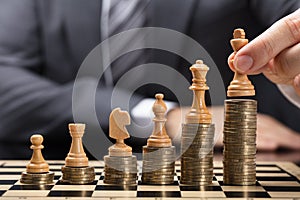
column 296, row 84
column 243, row 63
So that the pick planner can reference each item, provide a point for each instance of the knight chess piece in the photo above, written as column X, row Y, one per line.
column 159, row 155
column 197, row 134
column 76, row 169
column 37, row 170
column 240, row 85
column 120, row 165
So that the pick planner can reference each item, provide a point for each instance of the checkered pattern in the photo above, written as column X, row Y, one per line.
column 272, row 182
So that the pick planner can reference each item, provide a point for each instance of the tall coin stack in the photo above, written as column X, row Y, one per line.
column 197, row 134
column 240, row 142
column 159, row 155
column 239, row 125
column 120, row 165
column 77, row 169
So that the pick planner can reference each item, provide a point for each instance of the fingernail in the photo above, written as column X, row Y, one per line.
column 297, row 81
column 243, row 63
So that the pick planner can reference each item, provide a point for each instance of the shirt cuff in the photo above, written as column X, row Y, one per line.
column 142, row 113
column 289, row 93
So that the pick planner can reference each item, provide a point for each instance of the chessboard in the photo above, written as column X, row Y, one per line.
column 274, row 180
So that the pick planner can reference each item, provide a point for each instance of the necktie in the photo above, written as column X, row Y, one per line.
column 124, row 15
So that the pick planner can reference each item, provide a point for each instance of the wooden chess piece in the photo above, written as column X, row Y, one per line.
column 240, row 85
column 37, row 163
column 199, row 113
column 159, row 137
column 76, row 156
column 118, row 119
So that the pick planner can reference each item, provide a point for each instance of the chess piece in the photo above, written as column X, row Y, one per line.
column 37, row 163
column 37, row 170
column 199, row 113
column 117, row 121
column 76, row 156
column 120, row 165
column 77, row 169
column 159, row 137
column 240, row 85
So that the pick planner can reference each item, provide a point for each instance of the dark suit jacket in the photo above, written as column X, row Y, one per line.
column 43, row 43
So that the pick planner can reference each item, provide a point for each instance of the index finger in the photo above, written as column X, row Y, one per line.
column 282, row 34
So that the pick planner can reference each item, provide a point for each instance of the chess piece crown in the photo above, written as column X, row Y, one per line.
column 240, row 85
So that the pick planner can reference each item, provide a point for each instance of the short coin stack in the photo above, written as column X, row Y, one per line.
column 240, row 142
column 197, row 154
column 120, row 170
column 158, row 165
column 78, row 175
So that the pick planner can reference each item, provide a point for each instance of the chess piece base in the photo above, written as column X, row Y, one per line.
column 158, row 165
column 37, row 178
column 78, row 175
column 120, row 170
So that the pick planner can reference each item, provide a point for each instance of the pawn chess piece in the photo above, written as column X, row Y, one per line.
column 37, row 170
column 117, row 121
column 76, row 169
column 199, row 113
column 159, row 155
column 159, row 137
column 240, row 85
column 120, row 165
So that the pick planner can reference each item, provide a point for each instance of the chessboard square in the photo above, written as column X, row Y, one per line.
column 222, row 184
column 219, row 178
column 21, row 193
column 31, row 187
column 246, row 194
column 274, row 178
column 272, row 168
column 200, row 188
column 65, row 183
column 10, row 177
column 115, row 193
column 62, row 193
column 158, row 194
column 2, row 192
column 202, row 194
column 158, row 188
column 116, row 187
column 282, row 188
column 12, row 170
column 218, row 171
column 7, row 182
column 272, row 175
column 74, row 187
column 5, row 187
column 243, row 188
column 279, row 183
column 284, row 194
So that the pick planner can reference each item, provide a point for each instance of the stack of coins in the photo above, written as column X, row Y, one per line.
column 240, row 142
column 197, row 154
column 78, row 175
column 158, row 165
column 37, row 178
column 120, row 170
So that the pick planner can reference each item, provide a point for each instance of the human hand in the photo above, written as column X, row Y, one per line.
column 275, row 53
column 271, row 134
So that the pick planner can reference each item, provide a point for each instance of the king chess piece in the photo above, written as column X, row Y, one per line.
column 197, row 139
column 240, row 85
column 120, row 165
column 159, row 155
column 37, row 170
column 77, row 169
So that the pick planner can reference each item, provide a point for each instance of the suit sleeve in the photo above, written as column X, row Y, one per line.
column 29, row 102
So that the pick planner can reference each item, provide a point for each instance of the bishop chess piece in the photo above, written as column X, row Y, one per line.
column 240, row 85
column 159, row 155
column 37, row 171
column 77, row 169
column 120, row 165
column 197, row 134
